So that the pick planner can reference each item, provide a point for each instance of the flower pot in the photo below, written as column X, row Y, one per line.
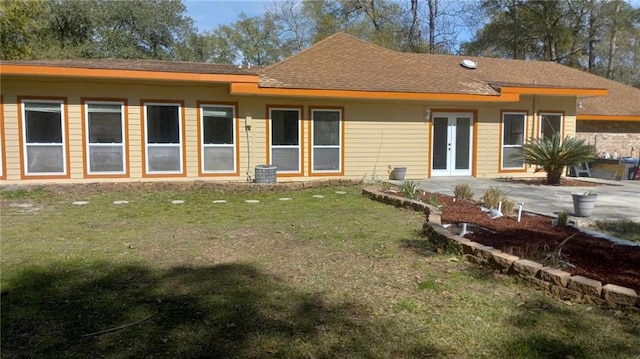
column 399, row 172
column 583, row 204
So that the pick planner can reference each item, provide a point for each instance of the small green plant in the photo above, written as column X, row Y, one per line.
column 463, row 191
column 492, row 198
column 434, row 201
column 555, row 259
column 563, row 218
column 409, row 189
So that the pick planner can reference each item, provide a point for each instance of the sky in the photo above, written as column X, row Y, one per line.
column 209, row 14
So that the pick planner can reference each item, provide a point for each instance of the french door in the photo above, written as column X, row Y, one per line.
column 452, row 144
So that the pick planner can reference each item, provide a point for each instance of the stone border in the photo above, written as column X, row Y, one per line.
column 557, row 282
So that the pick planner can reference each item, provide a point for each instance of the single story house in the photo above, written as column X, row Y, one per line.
column 343, row 108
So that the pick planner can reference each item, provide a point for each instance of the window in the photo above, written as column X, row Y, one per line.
column 550, row 123
column 513, row 136
column 218, row 136
column 163, row 138
column 105, row 138
column 44, row 138
column 285, row 139
column 326, row 138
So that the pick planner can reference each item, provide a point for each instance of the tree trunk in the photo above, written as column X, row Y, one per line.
column 433, row 14
column 612, row 41
column 553, row 177
column 592, row 34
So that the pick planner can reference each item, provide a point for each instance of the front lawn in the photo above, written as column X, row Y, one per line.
column 337, row 276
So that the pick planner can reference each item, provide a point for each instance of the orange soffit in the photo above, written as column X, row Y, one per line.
column 587, row 117
column 555, row 91
column 254, row 89
column 52, row 71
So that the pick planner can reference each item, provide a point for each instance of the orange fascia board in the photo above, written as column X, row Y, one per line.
column 53, row 71
column 554, row 91
column 608, row 117
column 254, row 89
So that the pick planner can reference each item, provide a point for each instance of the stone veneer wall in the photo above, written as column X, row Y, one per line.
column 609, row 136
column 559, row 283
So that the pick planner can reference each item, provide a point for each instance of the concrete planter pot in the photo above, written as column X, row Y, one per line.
column 583, row 203
column 399, row 173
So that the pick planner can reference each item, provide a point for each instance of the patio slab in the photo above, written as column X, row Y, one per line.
column 617, row 200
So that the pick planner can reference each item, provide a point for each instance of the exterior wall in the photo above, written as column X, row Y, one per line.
column 377, row 135
column 610, row 136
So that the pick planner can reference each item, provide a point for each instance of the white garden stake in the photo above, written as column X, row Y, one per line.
column 520, row 205
column 500, row 206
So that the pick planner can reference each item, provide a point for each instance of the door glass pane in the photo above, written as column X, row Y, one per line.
column 463, row 136
column 286, row 159
column 440, row 143
column 218, row 159
column 106, row 159
column 45, row 159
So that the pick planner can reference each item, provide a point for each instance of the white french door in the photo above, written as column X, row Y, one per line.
column 452, row 144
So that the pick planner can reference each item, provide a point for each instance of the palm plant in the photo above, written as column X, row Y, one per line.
column 554, row 153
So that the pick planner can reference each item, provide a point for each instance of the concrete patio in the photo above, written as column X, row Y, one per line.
column 617, row 200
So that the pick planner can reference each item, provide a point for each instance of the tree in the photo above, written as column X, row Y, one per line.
column 20, row 23
column 553, row 154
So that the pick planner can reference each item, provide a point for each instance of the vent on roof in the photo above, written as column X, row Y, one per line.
column 469, row 64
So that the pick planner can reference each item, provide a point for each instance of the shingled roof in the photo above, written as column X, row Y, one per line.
column 140, row 65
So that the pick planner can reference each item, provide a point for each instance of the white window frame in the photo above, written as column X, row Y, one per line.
column 542, row 114
column 233, row 145
column 503, row 146
column 148, row 145
column 26, row 144
column 298, row 146
column 314, row 146
column 88, row 144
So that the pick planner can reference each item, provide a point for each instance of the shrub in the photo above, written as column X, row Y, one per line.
column 554, row 154
column 463, row 191
column 563, row 218
column 492, row 198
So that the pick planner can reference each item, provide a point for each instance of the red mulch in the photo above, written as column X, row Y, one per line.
column 534, row 236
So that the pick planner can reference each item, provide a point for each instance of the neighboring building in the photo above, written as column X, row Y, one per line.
column 343, row 108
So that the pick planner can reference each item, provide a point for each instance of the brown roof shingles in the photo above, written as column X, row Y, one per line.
column 142, row 65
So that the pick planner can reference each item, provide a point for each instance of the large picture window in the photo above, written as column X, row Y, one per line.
column 513, row 136
column 286, row 133
column 163, row 138
column 105, row 138
column 44, row 138
column 218, row 136
column 326, row 141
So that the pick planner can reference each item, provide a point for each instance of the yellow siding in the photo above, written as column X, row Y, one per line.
column 378, row 135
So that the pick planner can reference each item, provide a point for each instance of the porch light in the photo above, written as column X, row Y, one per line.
column 427, row 114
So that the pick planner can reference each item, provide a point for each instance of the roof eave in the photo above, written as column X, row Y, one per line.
column 255, row 90
column 588, row 117
column 79, row 72
column 553, row 91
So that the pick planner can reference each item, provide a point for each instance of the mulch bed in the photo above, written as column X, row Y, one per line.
column 534, row 237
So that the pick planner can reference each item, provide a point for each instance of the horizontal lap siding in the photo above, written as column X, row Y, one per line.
column 377, row 135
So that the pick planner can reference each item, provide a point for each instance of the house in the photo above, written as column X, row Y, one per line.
column 343, row 108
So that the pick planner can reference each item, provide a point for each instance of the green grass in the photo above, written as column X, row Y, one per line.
column 624, row 229
column 339, row 276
